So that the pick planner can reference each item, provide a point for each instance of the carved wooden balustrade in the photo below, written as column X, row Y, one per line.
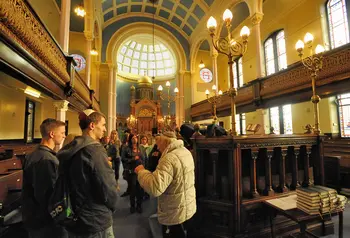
column 234, row 176
column 31, row 54
column 291, row 85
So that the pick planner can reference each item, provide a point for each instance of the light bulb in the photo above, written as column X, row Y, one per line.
column 319, row 49
column 93, row 52
column 211, row 24
column 308, row 38
column 227, row 16
column 201, row 64
column 207, row 92
column 160, row 88
column 214, row 87
column 167, row 84
column 80, row 11
column 245, row 32
column 299, row 45
column 176, row 90
column 220, row 92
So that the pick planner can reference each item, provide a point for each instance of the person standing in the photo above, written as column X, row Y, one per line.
column 173, row 183
column 114, row 138
column 93, row 188
column 40, row 172
column 132, row 155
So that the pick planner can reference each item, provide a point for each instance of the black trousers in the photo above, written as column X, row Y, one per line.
column 116, row 168
column 183, row 230
column 136, row 192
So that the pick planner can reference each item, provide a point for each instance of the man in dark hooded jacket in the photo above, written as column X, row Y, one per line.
column 39, row 177
column 92, row 183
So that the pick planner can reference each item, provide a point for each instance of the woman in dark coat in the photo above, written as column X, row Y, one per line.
column 132, row 153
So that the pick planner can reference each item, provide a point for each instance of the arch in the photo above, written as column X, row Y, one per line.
column 97, row 32
column 120, row 36
column 238, row 4
column 144, row 25
column 195, row 48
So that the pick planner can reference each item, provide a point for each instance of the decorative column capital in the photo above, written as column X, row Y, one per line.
column 182, row 72
column 61, row 105
column 88, row 35
column 257, row 18
column 112, row 66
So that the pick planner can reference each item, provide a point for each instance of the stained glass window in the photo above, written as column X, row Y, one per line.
column 283, row 113
column 138, row 58
column 275, row 53
column 344, row 114
column 338, row 23
column 241, row 124
column 275, row 119
column 238, row 72
column 287, row 119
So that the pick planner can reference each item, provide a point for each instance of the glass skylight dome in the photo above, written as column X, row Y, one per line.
column 137, row 57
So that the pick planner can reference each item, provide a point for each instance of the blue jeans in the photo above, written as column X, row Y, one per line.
column 108, row 233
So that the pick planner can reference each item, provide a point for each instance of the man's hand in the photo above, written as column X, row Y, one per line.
column 139, row 168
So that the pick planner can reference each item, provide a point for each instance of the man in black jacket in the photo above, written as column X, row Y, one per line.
column 92, row 183
column 39, row 177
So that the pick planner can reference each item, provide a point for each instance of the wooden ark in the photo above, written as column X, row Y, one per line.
column 235, row 175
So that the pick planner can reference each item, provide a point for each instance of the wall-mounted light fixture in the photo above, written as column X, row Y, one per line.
column 80, row 11
column 32, row 92
column 201, row 65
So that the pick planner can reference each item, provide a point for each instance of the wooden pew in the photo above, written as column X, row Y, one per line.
column 337, row 160
column 235, row 175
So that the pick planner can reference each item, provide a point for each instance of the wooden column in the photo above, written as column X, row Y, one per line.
column 253, row 186
column 295, row 182
column 268, row 191
column 307, row 157
column 214, row 157
column 282, row 171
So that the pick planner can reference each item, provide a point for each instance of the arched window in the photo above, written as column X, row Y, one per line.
column 139, row 58
column 237, row 72
column 281, row 119
column 338, row 23
column 275, row 53
column 344, row 114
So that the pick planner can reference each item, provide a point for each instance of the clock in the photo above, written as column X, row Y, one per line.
column 206, row 75
column 81, row 63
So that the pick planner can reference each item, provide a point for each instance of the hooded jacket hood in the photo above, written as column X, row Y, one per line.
column 69, row 150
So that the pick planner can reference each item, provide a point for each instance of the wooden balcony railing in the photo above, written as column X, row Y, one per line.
column 28, row 48
column 291, row 85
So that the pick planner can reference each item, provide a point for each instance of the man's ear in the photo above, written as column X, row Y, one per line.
column 92, row 125
column 51, row 134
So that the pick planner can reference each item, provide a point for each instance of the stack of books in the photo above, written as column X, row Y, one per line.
column 319, row 200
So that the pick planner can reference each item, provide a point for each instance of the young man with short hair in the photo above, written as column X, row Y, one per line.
column 39, row 177
column 93, row 188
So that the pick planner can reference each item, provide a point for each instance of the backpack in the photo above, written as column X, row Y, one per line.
column 60, row 206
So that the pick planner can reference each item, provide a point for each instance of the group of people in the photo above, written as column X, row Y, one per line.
column 93, row 185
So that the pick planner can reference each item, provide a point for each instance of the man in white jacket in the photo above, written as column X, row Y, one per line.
column 173, row 183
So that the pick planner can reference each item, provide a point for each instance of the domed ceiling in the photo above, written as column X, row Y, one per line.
column 183, row 15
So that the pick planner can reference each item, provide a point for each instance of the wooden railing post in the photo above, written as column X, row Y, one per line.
column 268, row 191
column 253, row 186
column 307, row 157
column 214, row 157
column 282, row 171
column 295, row 169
